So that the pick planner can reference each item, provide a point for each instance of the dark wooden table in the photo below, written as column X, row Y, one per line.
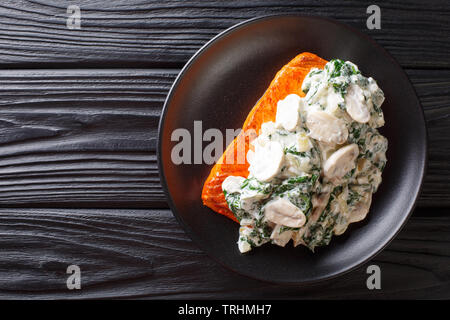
column 78, row 129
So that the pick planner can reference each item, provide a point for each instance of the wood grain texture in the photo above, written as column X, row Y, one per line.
column 136, row 33
column 81, row 138
column 72, row 140
column 145, row 254
column 433, row 90
column 87, row 138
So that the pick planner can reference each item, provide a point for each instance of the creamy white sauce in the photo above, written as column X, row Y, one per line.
column 313, row 171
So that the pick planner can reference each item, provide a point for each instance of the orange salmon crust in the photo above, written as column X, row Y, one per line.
column 287, row 81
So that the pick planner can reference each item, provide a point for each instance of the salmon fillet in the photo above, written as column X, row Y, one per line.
column 287, row 81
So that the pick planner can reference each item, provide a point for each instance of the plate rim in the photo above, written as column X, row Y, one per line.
column 342, row 271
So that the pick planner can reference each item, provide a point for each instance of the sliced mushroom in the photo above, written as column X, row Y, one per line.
column 282, row 211
column 244, row 246
column 280, row 238
column 288, row 112
column 267, row 161
column 326, row 150
column 232, row 184
column 326, row 127
column 340, row 227
column 297, row 237
column 342, row 199
column 361, row 209
column 356, row 105
column 341, row 161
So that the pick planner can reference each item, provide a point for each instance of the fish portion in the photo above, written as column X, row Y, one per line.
column 287, row 81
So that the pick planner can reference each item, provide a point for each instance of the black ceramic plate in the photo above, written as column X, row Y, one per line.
column 220, row 85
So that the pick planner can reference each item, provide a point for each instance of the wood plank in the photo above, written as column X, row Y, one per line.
column 81, row 138
column 145, row 253
column 135, row 33
column 433, row 90
column 87, row 138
